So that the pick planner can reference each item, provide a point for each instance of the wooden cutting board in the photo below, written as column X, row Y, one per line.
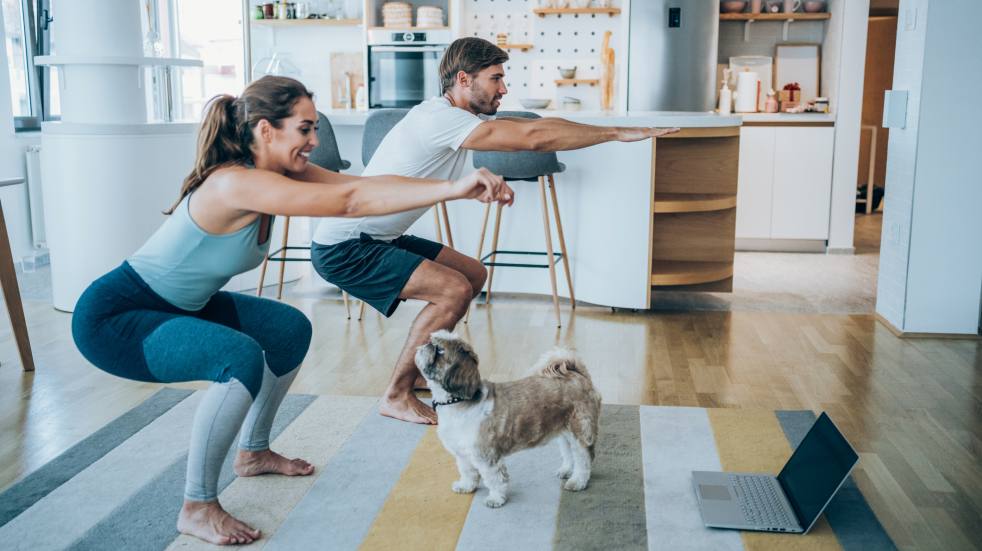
column 341, row 63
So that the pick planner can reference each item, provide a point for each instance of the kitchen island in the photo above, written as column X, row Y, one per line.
column 638, row 217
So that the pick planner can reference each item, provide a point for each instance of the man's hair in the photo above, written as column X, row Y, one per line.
column 470, row 55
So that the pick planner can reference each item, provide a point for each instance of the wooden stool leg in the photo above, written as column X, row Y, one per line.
column 347, row 307
column 494, row 250
column 480, row 249
column 562, row 241
column 286, row 240
column 436, row 220
column 361, row 311
column 11, row 295
column 262, row 277
column 551, row 259
column 446, row 223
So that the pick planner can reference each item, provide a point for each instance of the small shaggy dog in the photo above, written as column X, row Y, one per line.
column 483, row 422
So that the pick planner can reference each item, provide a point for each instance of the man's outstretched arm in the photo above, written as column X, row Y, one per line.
column 551, row 134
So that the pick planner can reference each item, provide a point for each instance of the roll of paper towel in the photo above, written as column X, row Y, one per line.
column 747, row 94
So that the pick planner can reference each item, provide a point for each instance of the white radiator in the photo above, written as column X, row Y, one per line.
column 36, row 206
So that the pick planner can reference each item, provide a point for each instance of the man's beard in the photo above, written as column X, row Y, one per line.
column 481, row 102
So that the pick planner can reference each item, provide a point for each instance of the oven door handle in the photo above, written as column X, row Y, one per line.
column 406, row 48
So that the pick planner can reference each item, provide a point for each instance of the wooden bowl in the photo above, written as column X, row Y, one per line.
column 733, row 6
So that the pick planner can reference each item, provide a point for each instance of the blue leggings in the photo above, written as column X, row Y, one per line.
column 250, row 347
column 124, row 328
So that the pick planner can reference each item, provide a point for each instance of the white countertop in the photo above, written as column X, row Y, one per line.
column 787, row 117
column 681, row 119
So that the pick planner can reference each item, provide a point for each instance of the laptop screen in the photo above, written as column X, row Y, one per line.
column 816, row 469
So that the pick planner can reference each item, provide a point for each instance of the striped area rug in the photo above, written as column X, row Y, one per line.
column 383, row 484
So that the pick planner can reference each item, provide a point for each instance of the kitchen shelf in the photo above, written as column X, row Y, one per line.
column 575, row 81
column 677, row 272
column 396, row 29
column 307, row 22
column 522, row 47
column 692, row 202
column 542, row 12
column 774, row 16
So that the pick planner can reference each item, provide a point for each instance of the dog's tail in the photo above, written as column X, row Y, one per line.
column 562, row 363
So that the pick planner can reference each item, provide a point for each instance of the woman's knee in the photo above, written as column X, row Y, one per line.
column 294, row 333
column 246, row 363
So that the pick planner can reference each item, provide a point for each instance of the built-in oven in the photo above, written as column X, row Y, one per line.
column 404, row 66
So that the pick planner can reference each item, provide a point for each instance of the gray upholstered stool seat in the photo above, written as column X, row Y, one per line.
column 526, row 166
column 326, row 155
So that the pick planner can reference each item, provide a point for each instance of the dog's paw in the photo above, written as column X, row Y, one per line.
column 495, row 501
column 575, row 485
column 462, row 487
column 564, row 472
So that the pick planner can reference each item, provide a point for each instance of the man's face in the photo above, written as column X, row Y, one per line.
column 486, row 89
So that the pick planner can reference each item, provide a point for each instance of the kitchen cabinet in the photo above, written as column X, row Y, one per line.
column 785, row 182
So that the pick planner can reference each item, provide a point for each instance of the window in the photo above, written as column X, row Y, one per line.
column 34, row 90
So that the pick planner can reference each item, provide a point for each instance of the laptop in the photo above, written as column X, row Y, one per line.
column 791, row 501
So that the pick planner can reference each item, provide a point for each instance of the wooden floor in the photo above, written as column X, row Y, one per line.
column 912, row 408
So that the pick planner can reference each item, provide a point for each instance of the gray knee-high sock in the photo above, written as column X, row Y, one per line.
column 259, row 420
column 216, row 422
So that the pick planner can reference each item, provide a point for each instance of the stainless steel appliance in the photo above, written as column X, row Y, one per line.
column 404, row 65
column 672, row 56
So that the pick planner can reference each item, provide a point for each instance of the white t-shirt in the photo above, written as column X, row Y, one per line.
column 424, row 144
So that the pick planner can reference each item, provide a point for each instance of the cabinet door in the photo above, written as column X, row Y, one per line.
column 756, row 178
column 802, row 183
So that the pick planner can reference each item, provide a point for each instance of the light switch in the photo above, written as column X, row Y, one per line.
column 895, row 109
column 910, row 19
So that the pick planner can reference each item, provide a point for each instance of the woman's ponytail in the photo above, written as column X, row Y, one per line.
column 225, row 137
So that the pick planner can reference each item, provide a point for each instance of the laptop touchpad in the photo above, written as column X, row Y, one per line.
column 712, row 491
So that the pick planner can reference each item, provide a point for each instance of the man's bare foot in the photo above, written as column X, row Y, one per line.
column 207, row 520
column 249, row 463
column 408, row 408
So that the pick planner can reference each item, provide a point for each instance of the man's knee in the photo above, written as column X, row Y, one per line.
column 457, row 292
column 478, row 279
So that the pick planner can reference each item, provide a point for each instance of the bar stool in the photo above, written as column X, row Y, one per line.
column 526, row 166
column 326, row 156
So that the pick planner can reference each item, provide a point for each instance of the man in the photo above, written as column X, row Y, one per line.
column 371, row 259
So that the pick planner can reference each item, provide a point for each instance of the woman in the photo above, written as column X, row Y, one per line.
column 160, row 316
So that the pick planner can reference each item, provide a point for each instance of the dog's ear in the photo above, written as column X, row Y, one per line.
column 463, row 379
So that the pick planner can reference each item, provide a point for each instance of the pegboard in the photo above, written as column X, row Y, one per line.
column 565, row 40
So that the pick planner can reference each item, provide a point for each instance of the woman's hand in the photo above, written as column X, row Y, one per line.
column 484, row 186
column 634, row 134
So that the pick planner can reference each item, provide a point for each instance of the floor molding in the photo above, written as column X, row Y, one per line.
column 912, row 335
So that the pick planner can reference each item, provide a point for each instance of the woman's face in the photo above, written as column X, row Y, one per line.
column 290, row 144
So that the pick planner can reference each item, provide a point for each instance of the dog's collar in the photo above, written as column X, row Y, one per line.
column 452, row 400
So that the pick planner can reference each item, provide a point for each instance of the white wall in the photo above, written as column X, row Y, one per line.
column 931, row 258
column 13, row 198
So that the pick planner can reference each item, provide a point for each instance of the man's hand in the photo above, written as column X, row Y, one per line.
column 634, row 134
column 483, row 185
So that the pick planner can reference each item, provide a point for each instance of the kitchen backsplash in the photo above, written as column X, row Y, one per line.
column 557, row 41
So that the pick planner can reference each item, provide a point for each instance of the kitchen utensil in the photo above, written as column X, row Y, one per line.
column 534, row 103
column 755, row 6
column 725, row 95
column 607, row 74
column 747, row 95
column 791, row 6
column 567, row 72
column 571, row 104
column 773, row 6
column 733, row 6
column 814, row 6
column 762, row 65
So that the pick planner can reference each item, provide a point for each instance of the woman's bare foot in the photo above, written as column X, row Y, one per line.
column 207, row 520
column 249, row 463
column 408, row 408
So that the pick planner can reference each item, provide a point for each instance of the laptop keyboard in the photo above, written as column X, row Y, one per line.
column 760, row 501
